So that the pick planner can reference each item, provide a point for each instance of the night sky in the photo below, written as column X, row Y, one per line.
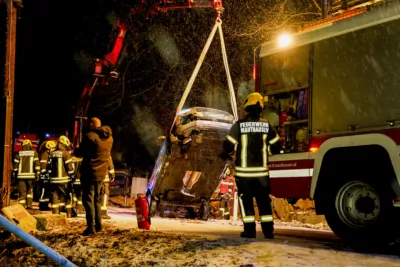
column 58, row 41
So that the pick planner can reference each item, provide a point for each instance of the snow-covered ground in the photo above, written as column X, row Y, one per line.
column 179, row 242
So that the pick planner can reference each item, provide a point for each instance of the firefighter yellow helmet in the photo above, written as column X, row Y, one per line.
column 26, row 142
column 64, row 140
column 253, row 99
column 50, row 144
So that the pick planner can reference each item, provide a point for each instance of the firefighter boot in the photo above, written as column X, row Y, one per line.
column 80, row 209
column 104, row 215
column 69, row 212
column 268, row 230
column 55, row 210
column 249, row 230
column 29, row 203
column 43, row 206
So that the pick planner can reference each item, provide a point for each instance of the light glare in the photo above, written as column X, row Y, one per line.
column 284, row 40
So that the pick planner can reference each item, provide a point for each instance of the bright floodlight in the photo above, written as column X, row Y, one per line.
column 284, row 40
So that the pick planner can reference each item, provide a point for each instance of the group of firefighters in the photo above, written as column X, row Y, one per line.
column 57, row 173
column 250, row 138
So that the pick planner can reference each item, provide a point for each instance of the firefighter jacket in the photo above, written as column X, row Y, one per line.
column 95, row 149
column 252, row 137
column 61, row 168
column 77, row 165
column 111, row 171
column 227, row 186
column 44, row 161
column 26, row 164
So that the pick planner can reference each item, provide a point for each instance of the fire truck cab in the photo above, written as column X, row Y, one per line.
column 333, row 93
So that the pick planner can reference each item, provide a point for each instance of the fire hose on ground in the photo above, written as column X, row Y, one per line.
column 35, row 243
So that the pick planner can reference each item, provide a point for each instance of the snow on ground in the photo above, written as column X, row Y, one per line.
column 179, row 242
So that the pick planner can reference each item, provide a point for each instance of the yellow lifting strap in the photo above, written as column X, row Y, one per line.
column 218, row 25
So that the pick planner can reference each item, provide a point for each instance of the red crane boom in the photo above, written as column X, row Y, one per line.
column 105, row 68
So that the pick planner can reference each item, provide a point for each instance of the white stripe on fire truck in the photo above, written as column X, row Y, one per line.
column 291, row 173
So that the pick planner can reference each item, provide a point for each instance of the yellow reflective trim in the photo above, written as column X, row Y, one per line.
column 264, row 150
column 231, row 139
column 266, row 218
column 55, row 205
column 248, row 219
column 251, row 169
column 15, row 160
column 276, row 139
column 241, row 206
column 244, row 150
column 254, row 174
column 111, row 171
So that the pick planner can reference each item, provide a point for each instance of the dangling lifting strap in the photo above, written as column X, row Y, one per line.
column 218, row 25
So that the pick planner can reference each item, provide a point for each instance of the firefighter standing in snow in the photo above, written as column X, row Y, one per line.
column 26, row 169
column 105, row 190
column 76, row 184
column 46, row 148
column 226, row 190
column 61, row 172
column 95, row 150
column 252, row 136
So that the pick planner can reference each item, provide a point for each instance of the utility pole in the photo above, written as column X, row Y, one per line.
column 13, row 7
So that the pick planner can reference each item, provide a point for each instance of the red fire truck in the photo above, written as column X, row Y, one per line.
column 333, row 91
column 21, row 137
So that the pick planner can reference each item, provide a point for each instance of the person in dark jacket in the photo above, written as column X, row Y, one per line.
column 252, row 137
column 95, row 150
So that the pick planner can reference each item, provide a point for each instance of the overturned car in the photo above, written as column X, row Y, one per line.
column 188, row 169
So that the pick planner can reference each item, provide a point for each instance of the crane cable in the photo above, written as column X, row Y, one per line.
column 218, row 25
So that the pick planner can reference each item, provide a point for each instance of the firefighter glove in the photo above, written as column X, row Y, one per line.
column 112, row 178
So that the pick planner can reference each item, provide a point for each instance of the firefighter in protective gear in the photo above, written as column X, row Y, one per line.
column 252, row 137
column 61, row 173
column 26, row 169
column 105, row 190
column 226, row 191
column 45, row 149
column 76, row 184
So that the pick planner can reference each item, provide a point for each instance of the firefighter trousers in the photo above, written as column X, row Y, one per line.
column 77, row 197
column 91, row 198
column 105, row 193
column 60, row 198
column 248, row 188
column 224, row 208
column 44, row 197
column 25, row 192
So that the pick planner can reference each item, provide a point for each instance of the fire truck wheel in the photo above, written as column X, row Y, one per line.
column 360, row 213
